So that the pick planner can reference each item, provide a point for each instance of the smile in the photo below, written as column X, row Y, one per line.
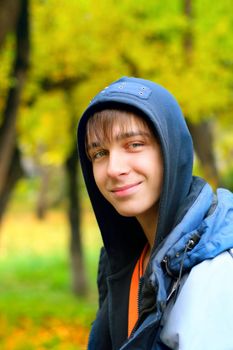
column 125, row 190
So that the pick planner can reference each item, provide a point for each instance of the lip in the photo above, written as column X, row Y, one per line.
column 125, row 190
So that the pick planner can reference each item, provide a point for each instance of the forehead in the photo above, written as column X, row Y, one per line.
column 108, row 124
column 126, row 125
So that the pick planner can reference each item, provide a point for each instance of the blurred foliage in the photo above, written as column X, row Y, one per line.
column 81, row 45
column 94, row 44
column 44, row 130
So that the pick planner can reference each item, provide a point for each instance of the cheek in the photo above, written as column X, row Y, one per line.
column 156, row 170
column 98, row 177
column 151, row 165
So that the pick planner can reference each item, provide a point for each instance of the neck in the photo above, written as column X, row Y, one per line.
column 148, row 222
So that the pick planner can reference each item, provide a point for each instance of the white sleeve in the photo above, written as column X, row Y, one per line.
column 202, row 316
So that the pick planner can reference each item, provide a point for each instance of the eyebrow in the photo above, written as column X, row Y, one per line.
column 121, row 136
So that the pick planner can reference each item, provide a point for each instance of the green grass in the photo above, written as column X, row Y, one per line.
column 37, row 307
column 38, row 287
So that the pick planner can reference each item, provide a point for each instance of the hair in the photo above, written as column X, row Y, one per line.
column 100, row 125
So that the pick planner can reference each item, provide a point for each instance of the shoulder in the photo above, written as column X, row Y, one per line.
column 211, row 271
column 201, row 317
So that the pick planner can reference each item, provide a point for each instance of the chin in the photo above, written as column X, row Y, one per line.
column 127, row 212
column 127, row 215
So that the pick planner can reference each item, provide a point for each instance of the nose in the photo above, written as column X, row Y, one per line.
column 117, row 164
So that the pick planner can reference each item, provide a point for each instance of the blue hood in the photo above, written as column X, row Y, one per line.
column 210, row 221
column 123, row 237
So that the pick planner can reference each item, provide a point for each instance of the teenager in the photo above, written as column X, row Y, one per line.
column 165, row 276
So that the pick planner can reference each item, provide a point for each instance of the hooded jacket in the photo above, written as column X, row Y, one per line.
column 191, row 261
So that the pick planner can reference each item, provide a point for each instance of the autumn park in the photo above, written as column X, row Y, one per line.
column 55, row 55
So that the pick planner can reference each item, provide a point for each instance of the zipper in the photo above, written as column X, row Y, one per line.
column 144, row 312
column 175, row 287
column 139, row 298
column 189, row 246
column 139, row 301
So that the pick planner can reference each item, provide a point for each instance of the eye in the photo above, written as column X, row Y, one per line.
column 98, row 154
column 135, row 145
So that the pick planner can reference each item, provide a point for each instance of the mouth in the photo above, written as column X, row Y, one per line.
column 125, row 190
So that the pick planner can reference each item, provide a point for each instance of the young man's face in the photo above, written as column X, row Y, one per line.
column 128, row 169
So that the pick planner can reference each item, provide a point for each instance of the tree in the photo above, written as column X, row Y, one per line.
column 202, row 131
column 9, row 13
column 10, row 169
column 89, row 44
column 79, row 279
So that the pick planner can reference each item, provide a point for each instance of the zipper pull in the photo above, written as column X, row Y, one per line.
column 165, row 262
column 189, row 246
column 175, row 286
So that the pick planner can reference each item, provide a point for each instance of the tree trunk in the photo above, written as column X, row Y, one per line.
column 9, row 13
column 10, row 167
column 203, row 144
column 42, row 200
column 79, row 282
column 8, row 129
column 202, row 132
column 14, row 174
